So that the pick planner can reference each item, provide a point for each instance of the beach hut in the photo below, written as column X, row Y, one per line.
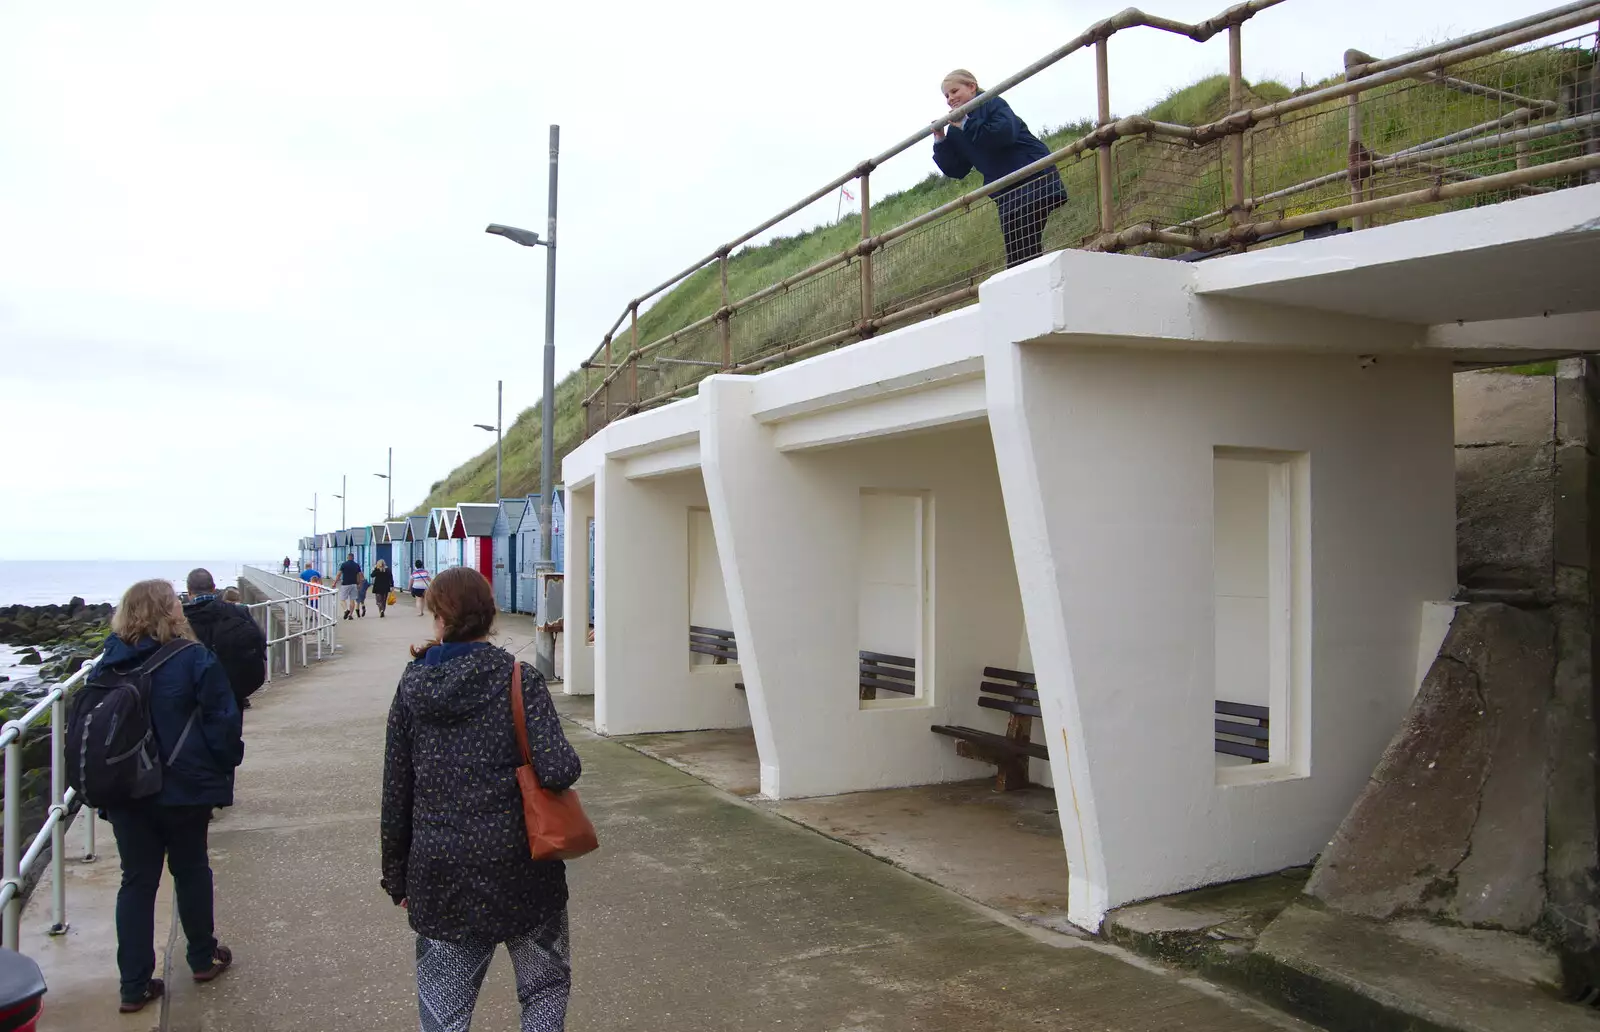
column 475, row 529
column 399, row 534
column 558, row 526
column 452, row 546
column 417, row 543
column 378, row 541
column 527, row 550
column 507, row 520
column 430, row 549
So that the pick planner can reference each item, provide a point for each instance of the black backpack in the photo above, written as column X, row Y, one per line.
column 112, row 753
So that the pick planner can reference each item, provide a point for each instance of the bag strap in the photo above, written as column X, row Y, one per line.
column 519, row 716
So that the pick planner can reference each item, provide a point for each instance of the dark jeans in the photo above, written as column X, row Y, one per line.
column 1024, row 210
column 146, row 834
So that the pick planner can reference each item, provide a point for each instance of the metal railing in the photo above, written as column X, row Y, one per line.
column 18, row 864
column 1469, row 121
column 314, row 606
column 317, row 624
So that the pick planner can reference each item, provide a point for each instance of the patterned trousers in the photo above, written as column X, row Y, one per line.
column 449, row 975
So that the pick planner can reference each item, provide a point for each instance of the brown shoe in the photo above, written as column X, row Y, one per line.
column 152, row 991
column 221, row 960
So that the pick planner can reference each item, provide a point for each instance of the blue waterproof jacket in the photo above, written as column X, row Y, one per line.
column 996, row 143
column 190, row 684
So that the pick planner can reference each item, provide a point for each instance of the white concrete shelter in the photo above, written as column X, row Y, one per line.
column 1156, row 485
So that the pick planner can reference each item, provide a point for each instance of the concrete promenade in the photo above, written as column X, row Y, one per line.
column 701, row 912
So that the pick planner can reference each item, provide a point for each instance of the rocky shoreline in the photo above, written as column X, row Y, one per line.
column 58, row 639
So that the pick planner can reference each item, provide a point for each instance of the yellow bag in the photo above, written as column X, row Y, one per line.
column 393, row 598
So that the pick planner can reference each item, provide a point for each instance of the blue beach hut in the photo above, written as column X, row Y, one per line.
column 506, row 522
column 417, row 542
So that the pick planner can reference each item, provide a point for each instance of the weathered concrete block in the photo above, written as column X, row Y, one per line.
column 1505, row 469
column 1452, row 822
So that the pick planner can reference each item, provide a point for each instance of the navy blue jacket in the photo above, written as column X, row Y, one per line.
column 996, row 143
column 202, row 772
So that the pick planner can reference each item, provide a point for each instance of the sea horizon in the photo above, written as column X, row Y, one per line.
column 37, row 582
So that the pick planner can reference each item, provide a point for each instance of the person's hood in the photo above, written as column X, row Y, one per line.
column 121, row 653
column 207, row 612
column 455, row 689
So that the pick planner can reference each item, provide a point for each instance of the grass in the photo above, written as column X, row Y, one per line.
column 1154, row 182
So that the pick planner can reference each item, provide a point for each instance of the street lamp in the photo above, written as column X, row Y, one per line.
column 544, row 654
column 499, row 420
column 389, row 476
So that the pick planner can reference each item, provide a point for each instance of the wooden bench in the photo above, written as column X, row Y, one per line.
column 1244, row 733
column 716, row 643
column 881, row 672
column 1014, row 692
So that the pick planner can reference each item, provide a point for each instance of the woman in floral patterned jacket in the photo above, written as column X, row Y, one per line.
column 455, row 848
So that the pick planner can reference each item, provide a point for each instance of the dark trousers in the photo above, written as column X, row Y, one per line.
column 146, row 835
column 1024, row 210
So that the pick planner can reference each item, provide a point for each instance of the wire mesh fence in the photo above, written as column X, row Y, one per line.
column 1252, row 170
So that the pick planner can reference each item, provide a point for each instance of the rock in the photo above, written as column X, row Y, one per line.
column 4, row 678
column 30, row 657
column 1452, row 822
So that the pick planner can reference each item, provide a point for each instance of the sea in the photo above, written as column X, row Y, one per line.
column 37, row 582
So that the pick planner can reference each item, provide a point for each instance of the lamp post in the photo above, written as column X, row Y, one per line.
column 499, row 421
column 343, row 489
column 389, row 477
column 313, row 512
column 544, row 654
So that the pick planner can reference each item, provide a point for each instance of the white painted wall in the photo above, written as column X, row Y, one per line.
column 577, row 652
column 645, row 679
column 1106, row 457
column 791, row 533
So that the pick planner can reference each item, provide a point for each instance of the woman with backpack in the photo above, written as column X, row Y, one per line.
column 454, row 843
column 196, row 727
column 382, row 584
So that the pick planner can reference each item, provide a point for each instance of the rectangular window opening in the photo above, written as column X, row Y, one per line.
column 1258, row 576
column 893, row 602
column 710, row 620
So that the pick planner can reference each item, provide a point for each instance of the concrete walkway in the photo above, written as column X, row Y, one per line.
column 701, row 912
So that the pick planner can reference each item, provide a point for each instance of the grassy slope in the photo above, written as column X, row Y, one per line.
column 1155, row 182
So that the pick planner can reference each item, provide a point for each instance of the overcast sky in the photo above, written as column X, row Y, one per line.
column 242, row 248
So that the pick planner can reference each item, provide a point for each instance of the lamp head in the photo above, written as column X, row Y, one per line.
column 485, row 426
column 525, row 237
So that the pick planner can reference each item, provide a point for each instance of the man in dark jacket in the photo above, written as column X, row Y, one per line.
column 227, row 630
column 993, row 140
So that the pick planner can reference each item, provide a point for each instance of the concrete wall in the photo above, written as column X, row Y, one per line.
column 645, row 673
column 790, row 527
column 577, row 651
column 1118, row 579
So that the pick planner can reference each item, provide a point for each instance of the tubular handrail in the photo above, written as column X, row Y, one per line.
column 1536, row 119
column 16, row 863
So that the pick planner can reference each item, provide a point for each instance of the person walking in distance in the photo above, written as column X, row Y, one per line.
column 452, row 834
column 195, row 723
column 231, row 635
column 382, row 584
column 420, row 578
column 286, row 566
column 361, row 603
column 993, row 140
column 349, row 584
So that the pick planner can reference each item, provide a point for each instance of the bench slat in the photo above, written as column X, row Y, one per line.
column 903, row 687
column 1021, row 709
column 1021, row 676
column 713, row 650
column 694, row 629
column 1242, row 709
column 998, row 742
column 1229, row 727
column 1252, row 752
column 1009, row 689
column 881, row 657
column 711, row 639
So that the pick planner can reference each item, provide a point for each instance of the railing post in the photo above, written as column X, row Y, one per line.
column 1238, row 214
column 1357, row 153
column 266, row 612
column 633, row 357
column 867, row 306
column 58, row 803
column 585, row 400
column 724, row 318
column 1102, row 71
column 11, row 921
